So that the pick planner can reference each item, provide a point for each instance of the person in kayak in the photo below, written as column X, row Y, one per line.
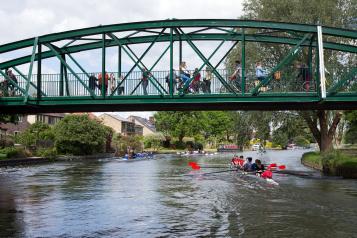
column 248, row 166
column 267, row 174
column 258, row 167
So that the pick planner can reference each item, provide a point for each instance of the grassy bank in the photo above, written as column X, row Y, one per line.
column 337, row 163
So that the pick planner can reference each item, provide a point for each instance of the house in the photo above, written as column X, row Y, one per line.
column 147, row 125
column 47, row 118
column 9, row 129
column 12, row 129
column 121, row 125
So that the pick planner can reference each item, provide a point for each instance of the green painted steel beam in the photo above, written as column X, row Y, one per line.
column 136, row 61
column 12, row 82
column 78, row 65
column 194, row 37
column 152, row 67
column 334, row 89
column 155, row 82
column 52, row 48
column 29, row 75
column 287, row 59
column 203, row 65
column 25, row 77
column 149, row 25
column 205, row 60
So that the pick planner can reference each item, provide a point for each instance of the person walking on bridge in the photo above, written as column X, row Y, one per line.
column 145, row 80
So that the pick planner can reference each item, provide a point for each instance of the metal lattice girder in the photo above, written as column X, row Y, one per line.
column 25, row 77
column 205, row 24
column 288, row 58
column 151, row 76
column 203, row 65
column 52, row 48
column 30, row 69
column 194, row 37
column 135, row 61
column 137, row 26
column 334, row 89
column 205, row 60
column 12, row 82
column 151, row 68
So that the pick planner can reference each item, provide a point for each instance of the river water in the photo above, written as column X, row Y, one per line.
column 165, row 198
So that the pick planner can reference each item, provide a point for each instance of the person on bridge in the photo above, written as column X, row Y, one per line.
column 196, row 80
column 167, row 80
column 113, row 82
column 207, row 80
column 237, row 74
column 184, row 73
column 12, row 84
column 303, row 76
column 92, row 82
column 145, row 80
column 105, row 83
column 261, row 75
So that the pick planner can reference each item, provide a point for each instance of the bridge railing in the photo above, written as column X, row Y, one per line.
column 287, row 80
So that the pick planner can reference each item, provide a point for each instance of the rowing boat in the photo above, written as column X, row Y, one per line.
column 254, row 175
column 137, row 157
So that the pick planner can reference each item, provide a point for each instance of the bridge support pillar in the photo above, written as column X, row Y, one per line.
column 39, row 72
column 321, row 62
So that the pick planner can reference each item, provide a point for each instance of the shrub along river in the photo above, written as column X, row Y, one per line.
column 163, row 197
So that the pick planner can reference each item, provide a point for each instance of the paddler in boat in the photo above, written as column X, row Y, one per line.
column 248, row 166
column 258, row 167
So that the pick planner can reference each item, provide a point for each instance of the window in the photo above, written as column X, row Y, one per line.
column 52, row 120
column 41, row 118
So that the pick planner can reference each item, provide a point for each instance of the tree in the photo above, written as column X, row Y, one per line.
column 37, row 131
column 9, row 118
column 338, row 13
column 242, row 128
column 287, row 127
column 218, row 124
column 154, row 141
column 123, row 142
column 79, row 135
column 351, row 133
column 179, row 124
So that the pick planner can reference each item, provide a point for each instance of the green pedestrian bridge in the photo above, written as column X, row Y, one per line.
column 28, row 83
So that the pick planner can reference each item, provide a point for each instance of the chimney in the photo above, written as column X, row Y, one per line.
column 152, row 120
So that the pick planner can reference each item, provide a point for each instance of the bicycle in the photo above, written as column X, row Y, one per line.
column 235, row 84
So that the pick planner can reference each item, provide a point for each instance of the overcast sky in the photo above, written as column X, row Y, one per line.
column 20, row 19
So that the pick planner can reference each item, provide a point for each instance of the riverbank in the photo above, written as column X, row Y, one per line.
column 41, row 160
column 337, row 163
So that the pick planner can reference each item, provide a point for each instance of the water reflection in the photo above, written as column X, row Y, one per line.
column 11, row 219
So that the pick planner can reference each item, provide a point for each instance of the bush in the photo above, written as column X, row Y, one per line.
column 301, row 141
column 50, row 153
column 180, row 145
column 79, row 135
column 6, row 143
column 154, row 141
column 123, row 142
column 10, row 152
